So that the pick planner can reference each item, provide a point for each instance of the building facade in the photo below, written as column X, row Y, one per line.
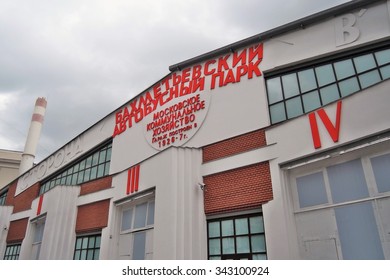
column 274, row 147
column 9, row 166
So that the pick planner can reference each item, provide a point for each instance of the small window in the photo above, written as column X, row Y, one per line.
column 240, row 237
column 311, row 190
column 87, row 247
column 39, row 227
column 12, row 252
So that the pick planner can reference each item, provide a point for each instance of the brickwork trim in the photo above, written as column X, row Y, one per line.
column 93, row 216
column 236, row 145
column 238, row 189
column 17, row 230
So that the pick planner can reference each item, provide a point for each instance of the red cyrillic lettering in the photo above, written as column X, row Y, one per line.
column 229, row 78
column 206, row 67
column 185, row 75
column 254, row 68
column 222, row 63
column 214, row 77
column 198, row 84
column 176, row 79
column 239, row 57
column 196, row 72
column 255, row 51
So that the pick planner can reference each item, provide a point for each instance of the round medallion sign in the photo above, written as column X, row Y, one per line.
column 175, row 123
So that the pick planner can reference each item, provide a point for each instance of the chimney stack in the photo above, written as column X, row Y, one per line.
column 34, row 133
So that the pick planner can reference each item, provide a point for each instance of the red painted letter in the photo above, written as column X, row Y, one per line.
column 333, row 130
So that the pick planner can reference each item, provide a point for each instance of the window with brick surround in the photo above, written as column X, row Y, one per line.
column 12, row 252
column 240, row 237
column 95, row 165
column 87, row 247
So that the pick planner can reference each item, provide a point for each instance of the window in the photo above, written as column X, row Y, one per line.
column 3, row 197
column 94, row 166
column 301, row 91
column 136, row 230
column 241, row 237
column 341, row 208
column 87, row 247
column 39, row 226
column 12, row 252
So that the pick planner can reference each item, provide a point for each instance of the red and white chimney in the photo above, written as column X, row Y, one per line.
column 34, row 133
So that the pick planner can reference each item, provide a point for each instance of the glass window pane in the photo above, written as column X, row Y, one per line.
column 91, row 242
column 76, row 255
column 307, row 80
column 102, row 157
column 214, row 247
column 290, row 85
column 294, row 107
column 97, row 243
column 277, row 112
column 383, row 57
column 63, row 180
column 344, row 69
column 83, row 255
column 127, row 216
column 381, row 168
column 86, row 174
column 90, row 255
column 258, row 243
column 241, row 226
column 82, row 165
column 80, row 178
column 76, row 167
column 228, row 245
column 358, row 232
column 311, row 190
column 325, row 75
column 150, row 213
column 93, row 172
column 139, row 245
column 349, row 86
column 385, row 71
column 274, row 90
column 329, row 94
column 100, row 171
column 259, row 257
column 88, row 162
column 84, row 243
column 106, row 168
column 214, row 230
column 78, row 243
column 364, row 62
column 74, row 179
column 347, row 181
column 256, row 224
column 369, row 79
column 140, row 215
column 227, row 228
column 96, row 254
column 214, row 258
column 243, row 244
column 311, row 101
column 95, row 159
column 108, row 155
column 68, row 180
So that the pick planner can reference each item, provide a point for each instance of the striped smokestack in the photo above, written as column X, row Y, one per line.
column 34, row 132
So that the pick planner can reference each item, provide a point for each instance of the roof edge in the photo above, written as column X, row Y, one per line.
column 294, row 25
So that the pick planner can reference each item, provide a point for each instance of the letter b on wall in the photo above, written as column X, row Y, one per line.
column 345, row 30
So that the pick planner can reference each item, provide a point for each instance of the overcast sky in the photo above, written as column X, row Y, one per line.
column 90, row 57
